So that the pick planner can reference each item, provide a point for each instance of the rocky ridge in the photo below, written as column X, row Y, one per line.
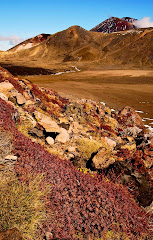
column 97, row 140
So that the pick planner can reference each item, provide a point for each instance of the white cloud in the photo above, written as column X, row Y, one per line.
column 144, row 23
column 4, row 45
column 11, row 40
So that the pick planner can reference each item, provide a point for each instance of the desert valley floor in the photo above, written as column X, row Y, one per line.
column 115, row 88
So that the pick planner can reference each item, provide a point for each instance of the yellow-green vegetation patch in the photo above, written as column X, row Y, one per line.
column 112, row 122
column 21, row 206
column 5, row 143
column 86, row 171
column 54, row 151
column 88, row 107
column 93, row 120
column 24, row 126
column 111, row 235
column 130, row 147
column 88, row 146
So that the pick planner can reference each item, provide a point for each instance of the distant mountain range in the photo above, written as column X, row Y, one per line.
column 110, row 25
column 113, row 42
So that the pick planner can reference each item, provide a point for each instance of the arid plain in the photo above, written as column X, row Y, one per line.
column 115, row 88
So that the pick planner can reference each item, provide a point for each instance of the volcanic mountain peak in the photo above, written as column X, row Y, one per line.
column 128, row 19
column 115, row 24
column 31, row 42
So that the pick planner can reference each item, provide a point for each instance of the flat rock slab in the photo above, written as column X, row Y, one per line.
column 6, row 87
column 20, row 99
column 63, row 137
column 3, row 96
column 11, row 157
column 29, row 102
column 46, row 122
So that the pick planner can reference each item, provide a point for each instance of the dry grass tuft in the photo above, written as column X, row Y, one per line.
column 20, row 206
column 5, row 143
column 24, row 126
column 88, row 146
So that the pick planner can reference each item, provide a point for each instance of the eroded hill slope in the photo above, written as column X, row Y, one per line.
column 133, row 48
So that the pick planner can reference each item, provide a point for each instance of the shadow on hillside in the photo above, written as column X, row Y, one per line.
column 24, row 71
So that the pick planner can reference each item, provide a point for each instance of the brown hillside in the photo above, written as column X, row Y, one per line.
column 130, row 48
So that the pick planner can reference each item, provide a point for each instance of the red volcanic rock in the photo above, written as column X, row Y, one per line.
column 114, row 24
column 40, row 38
column 130, row 117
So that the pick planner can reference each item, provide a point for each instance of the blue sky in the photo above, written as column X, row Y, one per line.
column 24, row 19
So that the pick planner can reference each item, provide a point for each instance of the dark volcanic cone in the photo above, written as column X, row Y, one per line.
column 114, row 24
